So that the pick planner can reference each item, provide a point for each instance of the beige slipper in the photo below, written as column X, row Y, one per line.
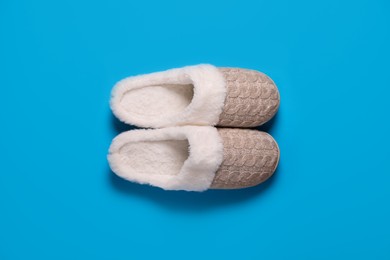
column 196, row 95
column 194, row 158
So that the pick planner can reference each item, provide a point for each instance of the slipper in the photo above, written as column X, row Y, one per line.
column 194, row 158
column 196, row 95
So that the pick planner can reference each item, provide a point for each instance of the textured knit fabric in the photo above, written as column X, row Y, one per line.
column 252, row 98
column 249, row 158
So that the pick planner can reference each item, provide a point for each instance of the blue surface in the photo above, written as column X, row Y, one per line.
column 329, row 198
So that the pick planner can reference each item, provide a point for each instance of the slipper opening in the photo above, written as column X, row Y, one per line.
column 153, row 102
column 146, row 161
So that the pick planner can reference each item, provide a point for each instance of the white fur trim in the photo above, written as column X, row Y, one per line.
column 174, row 158
column 165, row 98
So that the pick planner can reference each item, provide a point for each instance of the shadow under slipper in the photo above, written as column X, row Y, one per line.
column 119, row 127
column 189, row 201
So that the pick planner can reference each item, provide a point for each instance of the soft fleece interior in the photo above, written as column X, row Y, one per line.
column 155, row 157
column 155, row 101
column 172, row 158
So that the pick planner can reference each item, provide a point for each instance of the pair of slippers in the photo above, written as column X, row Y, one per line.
column 186, row 151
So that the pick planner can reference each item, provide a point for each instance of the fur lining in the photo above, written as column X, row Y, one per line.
column 174, row 158
column 192, row 95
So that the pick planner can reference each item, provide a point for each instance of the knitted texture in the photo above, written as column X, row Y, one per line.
column 252, row 98
column 249, row 158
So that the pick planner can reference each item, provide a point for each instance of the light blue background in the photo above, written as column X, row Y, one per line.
column 329, row 198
